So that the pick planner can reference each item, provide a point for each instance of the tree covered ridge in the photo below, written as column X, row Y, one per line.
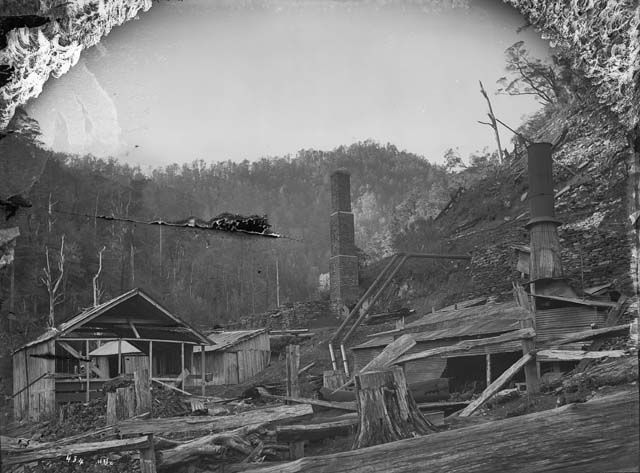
column 206, row 277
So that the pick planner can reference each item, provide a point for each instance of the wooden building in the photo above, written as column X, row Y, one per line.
column 56, row 367
column 448, row 327
column 233, row 356
column 554, row 316
column 105, row 358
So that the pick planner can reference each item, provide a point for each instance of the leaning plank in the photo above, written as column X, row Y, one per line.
column 496, row 385
column 468, row 344
column 345, row 406
column 586, row 335
column 155, row 380
column 390, row 353
column 600, row 435
column 576, row 355
column 78, row 449
column 272, row 415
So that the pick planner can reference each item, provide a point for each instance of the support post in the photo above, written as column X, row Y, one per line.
column 293, row 366
column 87, row 369
column 488, row 369
column 334, row 365
column 182, row 363
column 148, row 458
column 202, row 367
column 530, row 368
column 119, row 357
column 150, row 359
column 345, row 363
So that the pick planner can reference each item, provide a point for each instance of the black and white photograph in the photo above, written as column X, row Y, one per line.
column 319, row 236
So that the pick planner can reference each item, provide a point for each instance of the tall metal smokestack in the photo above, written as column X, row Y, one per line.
column 343, row 265
column 545, row 262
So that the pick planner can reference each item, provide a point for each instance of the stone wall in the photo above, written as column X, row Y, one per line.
column 307, row 314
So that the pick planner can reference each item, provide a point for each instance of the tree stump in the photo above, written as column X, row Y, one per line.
column 120, row 405
column 143, row 391
column 386, row 409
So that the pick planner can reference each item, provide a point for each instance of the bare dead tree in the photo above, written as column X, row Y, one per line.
column 53, row 284
column 97, row 292
column 50, row 219
column 493, row 123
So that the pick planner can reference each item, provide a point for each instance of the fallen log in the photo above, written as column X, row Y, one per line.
column 52, row 451
column 295, row 433
column 600, row 435
column 466, row 345
column 422, row 391
column 213, row 445
column 339, row 426
column 496, row 386
column 271, row 415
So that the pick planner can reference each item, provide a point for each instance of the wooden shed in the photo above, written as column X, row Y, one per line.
column 233, row 356
column 105, row 358
column 447, row 327
column 57, row 366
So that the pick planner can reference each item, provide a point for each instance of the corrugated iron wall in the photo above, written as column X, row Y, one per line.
column 560, row 321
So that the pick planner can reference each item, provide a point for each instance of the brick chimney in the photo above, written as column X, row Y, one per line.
column 545, row 262
column 343, row 265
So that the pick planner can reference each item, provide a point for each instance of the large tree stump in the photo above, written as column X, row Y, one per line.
column 386, row 409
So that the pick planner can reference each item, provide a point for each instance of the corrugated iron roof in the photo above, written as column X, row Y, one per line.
column 225, row 340
column 111, row 348
column 484, row 326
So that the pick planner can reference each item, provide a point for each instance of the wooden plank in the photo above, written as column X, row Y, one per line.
column 465, row 345
column 497, row 385
column 597, row 436
column 306, row 368
column 168, row 386
column 77, row 397
column 345, row 406
column 29, row 385
column 586, row 335
column 78, row 449
column 575, row 355
column 271, row 415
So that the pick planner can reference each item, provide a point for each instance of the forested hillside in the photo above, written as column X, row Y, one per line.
column 206, row 277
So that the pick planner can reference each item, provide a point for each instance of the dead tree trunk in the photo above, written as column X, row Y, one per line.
column 386, row 409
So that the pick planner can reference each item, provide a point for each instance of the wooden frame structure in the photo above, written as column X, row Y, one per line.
column 56, row 367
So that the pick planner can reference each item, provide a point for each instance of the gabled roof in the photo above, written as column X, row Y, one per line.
column 225, row 340
column 121, row 317
column 111, row 348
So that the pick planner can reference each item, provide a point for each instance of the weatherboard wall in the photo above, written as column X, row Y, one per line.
column 37, row 401
column 236, row 363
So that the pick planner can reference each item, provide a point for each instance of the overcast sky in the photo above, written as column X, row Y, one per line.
column 217, row 80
